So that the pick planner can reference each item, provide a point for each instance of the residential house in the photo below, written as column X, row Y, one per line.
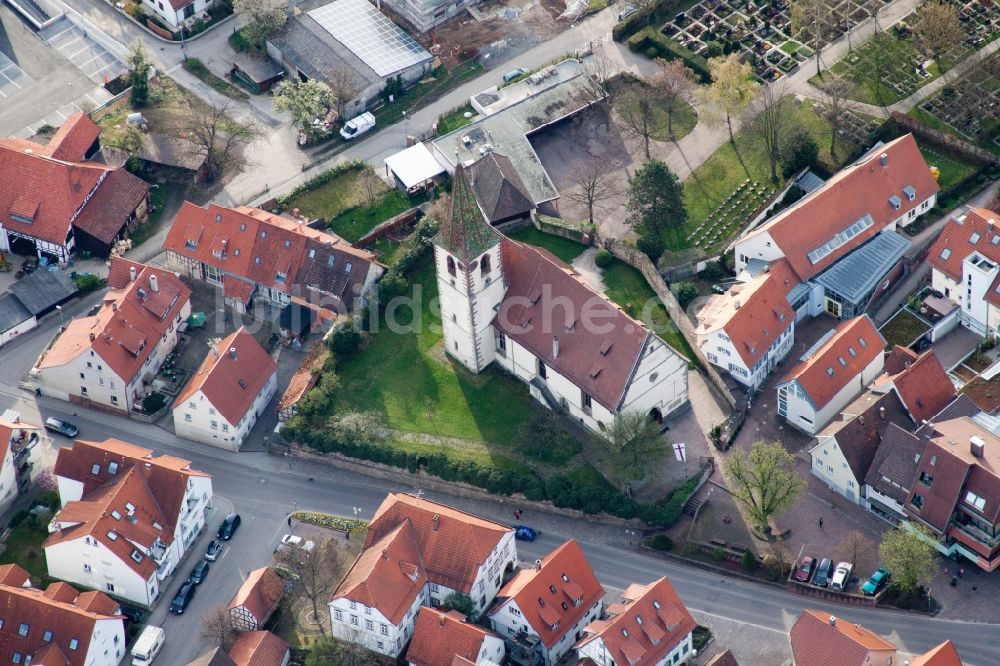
column 127, row 517
column 749, row 329
column 839, row 239
column 543, row 610
column 325, row 43
column 944, row 654
column 251, row 253
column 105, row 359
column 31, row 298
column 54, row 200
column 844, row 450
column 440, row 636
column 648, row 626
column 831, row 374
column 964, row 267
column 259, row 648
column 58, row 625
column 821, row 639
column 223, row 400
column 21, row 446
column 416, row 553
column 922, row 383
column 256, row 599
column 956, row 494
column 894, row 467
column 519, row 306
column 424, row 15
column 176, row 14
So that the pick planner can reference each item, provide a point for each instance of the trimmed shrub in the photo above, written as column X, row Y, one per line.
column 19, row 517
column 685, row 292
column 749, row 560
column 656, row 45
column 345, row 339
column 661, row 542
column 603, row 258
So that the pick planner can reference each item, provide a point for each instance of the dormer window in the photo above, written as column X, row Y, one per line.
column 895, row 202
column 280, row 277
column 910, row 193
column 191, row 244
column 21, row 218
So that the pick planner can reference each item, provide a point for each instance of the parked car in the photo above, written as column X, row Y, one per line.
column 199, row 573
column 805, row 570
column 292, row 541
column 182, row 598
column 625, row 13
column 132, row 614
column 823, row 573
column 228, row 526
column 64, row 428
column 841, row 577
column 878, row 580
column 357, row 126
column 213, row 550
column 524, row 533
column 514, row 73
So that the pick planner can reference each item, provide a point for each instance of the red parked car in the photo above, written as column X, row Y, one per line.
column 805, row 570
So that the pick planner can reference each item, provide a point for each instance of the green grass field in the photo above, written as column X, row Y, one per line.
column 952, row 169
column 24, row 548
column 564, row 248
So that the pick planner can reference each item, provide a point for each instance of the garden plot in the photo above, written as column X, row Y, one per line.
column 971, row 105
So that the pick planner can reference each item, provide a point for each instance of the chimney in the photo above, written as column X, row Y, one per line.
column 538, row 565
column 232, row 353
column 93, row 336
column 833, row 621
column 555, row 346
column 883, row 159
column 153, row 286
column 131, row 273
column 861, row 419
column 881, row 413
column 736, row 305
column 385, row 553
column 114, row 306
column 437, row 522
column 441, row 619
column 977, row 446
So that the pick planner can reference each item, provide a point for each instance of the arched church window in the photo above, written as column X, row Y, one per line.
column 484, row 265
column 451, row 266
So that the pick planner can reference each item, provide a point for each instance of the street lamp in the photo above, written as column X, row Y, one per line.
column 357, row 510
column 59, row 308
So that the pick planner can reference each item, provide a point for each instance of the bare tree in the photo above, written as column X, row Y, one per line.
column 319, row 571
column 814, row 18
column 772, row 113
column 593, row 184
column 859, row 550
column 217, row 628
column 636, row 113
column 674, row 84
column 372, row 186
column 938, row 30
column 602, row 70
column 344, row 86
column 221, row 140
column 839, row 105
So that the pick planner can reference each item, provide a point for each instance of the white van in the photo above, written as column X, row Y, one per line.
column 357, row 126
column 148, row 645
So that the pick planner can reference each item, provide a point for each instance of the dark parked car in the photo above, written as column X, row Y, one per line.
column 228, row 526
column 876, row 582
column 132, row 614
column 804, row 572
column 213, row 550
column 524, row 533
column 182, row 598
column 64, row 428
column 199, row 572
column 824, row 572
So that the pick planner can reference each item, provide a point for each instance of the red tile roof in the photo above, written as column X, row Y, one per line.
column 856, row 190
column 256, row 245
column 955, row 242
column 439, row 637
column 131, row 321
column 924, row 387
column 13, row 575
column 305, row 377
column 723, row 659
column 452, row 544
column 598, row 355
column 814, row 374
column 112, row 205
column 232, row 377
column 753, row 314
column 899, row 359
column 259, row 594
column 820, row 639
column 644, row 626
column 42, row 613
column 944, row 654
column 258, row 648
column 75, row 136
column 166, row 476
column 388, row 574
column 554, row 596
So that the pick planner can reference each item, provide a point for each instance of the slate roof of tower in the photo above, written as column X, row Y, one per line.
column 465, row 234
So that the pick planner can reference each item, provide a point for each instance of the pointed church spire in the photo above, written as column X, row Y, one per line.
column 465, row 234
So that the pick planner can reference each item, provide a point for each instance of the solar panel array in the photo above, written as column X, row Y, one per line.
column 370, row 35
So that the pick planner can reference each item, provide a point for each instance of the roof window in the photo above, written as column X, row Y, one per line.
column 862, row 341
column 829, row 371
column 129, row 507
column 330, row 260
column 47, row 636
column 312, row 254
column 218, row 218
column 112, row 535
column 243, row 226
column 656, row 604
column 347, row 267
column 256, row 260
column 288, row 243
column 565, row 578
column 624, row 632
column 841, row 361
column 95, row 470
column 191, row 244
column 23, row 629
column 852, row 352
column 136, row 555
column 73, row 644
column 112, row 468
column 552, row 589
column 974, row 238
column 116, row 515
column 263, row 234
column 638, row 620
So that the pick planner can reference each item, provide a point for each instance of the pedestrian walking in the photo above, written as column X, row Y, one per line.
column 289, row 521
column 821, row 522
column 961, row 572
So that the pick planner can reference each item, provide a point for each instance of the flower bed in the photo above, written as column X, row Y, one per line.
column 331, row 522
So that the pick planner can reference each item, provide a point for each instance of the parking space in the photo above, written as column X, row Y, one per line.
column 12, row 77
column 86, row 54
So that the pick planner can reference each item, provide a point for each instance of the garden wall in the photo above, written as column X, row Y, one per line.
column 407, row 217
column 946, row 142
column 165, row 34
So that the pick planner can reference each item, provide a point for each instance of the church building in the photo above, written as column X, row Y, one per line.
column 519, row 306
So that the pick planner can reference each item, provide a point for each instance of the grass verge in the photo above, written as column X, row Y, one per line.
column 564, row 248
column 198, row 69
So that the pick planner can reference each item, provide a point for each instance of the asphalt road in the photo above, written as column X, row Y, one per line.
column 264, row 489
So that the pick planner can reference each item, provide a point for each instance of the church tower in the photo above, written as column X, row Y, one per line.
column 470, row 277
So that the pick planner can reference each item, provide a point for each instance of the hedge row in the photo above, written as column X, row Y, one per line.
column 333, row 522
column 562, row 491
column 654, row 44
column 322, row 179
column 656, row 14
